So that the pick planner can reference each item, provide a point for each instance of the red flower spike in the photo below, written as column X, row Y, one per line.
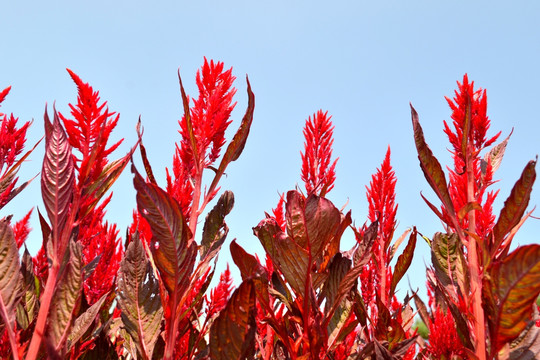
column 220, row 294
column 444, row 342
column 3, row 95
column 210, row 114
column 21, row 229
column 471, row 123
column 89, row 131
column 279, row 212
column 318, row 173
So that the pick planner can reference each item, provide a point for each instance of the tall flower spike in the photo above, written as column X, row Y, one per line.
column 210, row 117
column 210, row 114
column 318, row 170
column 468, row 138
column 381, row 196
column 89, row 130
column 12, row 141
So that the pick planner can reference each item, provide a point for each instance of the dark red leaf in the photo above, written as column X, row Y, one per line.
column 512, row 290
column 232, row 335
column 514, row 206
column 58, row 174
column 432, row 168
column 172, row 246
column 403, row 262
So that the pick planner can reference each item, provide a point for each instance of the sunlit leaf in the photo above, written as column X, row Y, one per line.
column 139, row 298
column 431, row 167
column 173, row 249
column 512, row 290
column 232, row 335
column 514, row 206
column 67, row 297
column 495, row 155
column 84, row 321
column 10, row 274
column 403, row 262
column 57, row 174
column 527, row 345
column 449, row 262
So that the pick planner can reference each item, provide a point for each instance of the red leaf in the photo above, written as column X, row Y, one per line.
column 172, row 246
column 58, row 174
column 511, row 293
column 514, row 206
column 232, row 335
column 432, row 169
column 403, row 263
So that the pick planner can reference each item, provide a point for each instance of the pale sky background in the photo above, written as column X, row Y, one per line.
column 363, row 61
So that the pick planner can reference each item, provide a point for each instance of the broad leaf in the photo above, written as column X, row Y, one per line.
column 495, row 155
column 322, row 221
column 57, row 175
column 215, row 229
column 139, row 298
column 293, row 261
column 67, row 296
column 173, row 249
column 514, row 206
column 268, row 230
column 10, row 274
column 527, row 345
column 246, row 263
column 403, row 263
column 449, row 262
column 84, row 321
column 512, row 290
column 232, row 335
column 431, row 167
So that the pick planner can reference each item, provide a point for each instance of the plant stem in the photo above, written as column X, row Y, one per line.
column 41, row 321
column 474, row 268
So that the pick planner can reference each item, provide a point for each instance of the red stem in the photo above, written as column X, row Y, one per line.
column 474, row 268
column 41, row 321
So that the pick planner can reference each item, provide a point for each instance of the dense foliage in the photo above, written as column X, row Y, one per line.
column 87, row 294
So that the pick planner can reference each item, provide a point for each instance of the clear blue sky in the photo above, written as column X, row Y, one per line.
column 363, row 61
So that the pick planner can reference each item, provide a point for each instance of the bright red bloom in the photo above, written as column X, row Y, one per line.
column 444, row 342
column 21, row 229
column 318, row 170
column 89, row 132
column 220, row 294
column 210, row 117
column 12, row 140
column 469, row 116
column 382, row 208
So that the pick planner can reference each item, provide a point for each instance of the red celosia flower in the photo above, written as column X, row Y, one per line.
column 210, row 117
column 12, row 140
column 89, row 132
column 220, row 294
column 381, row 196
column 444, row 342
column 318, row 173
column 382, row 208
column 279, row 212
column 469, row 117
column 21, row 229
